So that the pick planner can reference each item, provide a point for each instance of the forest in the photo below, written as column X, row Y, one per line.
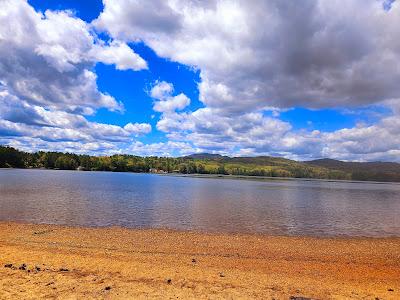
column 201, row 164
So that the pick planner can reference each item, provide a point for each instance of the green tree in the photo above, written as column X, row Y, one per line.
column 201, row 169
column 65, row 162
column 10, row 157
column 221, row 170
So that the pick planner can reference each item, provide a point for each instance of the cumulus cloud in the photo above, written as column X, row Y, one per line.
column 31, row 144
column 169, row 148
column 48, row 83
column 250, row 134
column 380, row 141
column 47, row 59
column 150, row 18
column 211, row 131
column 254, row 58
column 253, row 54
column 119, row 54
column 162, row 92
column 138, row 128
column 19, row 118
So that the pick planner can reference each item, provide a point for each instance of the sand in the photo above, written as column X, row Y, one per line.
column 56, row 262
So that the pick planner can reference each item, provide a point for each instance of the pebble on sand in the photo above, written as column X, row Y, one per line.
column 63, row 270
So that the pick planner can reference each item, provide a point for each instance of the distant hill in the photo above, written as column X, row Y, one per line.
column 206, row 156
column 379, row 171
column 369, row 166
column 320, row 168
column 261, row 166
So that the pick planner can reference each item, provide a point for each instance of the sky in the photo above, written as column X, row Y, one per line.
column 297, row 79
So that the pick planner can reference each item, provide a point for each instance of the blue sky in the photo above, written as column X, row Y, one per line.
column 130, row 87
column 85, row 10
column 161, row 78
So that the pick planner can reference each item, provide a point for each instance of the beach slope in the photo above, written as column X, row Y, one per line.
column 42, row 261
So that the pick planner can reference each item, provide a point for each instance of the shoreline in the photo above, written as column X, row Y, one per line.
column 257, row 234
column 120, row 263
column 223, row 176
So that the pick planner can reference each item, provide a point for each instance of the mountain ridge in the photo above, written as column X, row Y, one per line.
column 319, row 161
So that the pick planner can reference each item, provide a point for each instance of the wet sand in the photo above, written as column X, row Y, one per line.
column 55, row 262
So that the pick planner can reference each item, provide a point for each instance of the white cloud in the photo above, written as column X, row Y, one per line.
column 253, row 57
column 162, row 92
column 18, row 118
column 48, row 83
column 169, row 148
column 119, row 54
column 272, row 55
column 210, row 130
column 380, row 141
column 178, row 102
column 253, row 54
column 138, row 128
column 152, row 18
column 33, row 144
column 48, row 59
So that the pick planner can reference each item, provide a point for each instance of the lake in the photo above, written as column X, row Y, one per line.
column 276, row 207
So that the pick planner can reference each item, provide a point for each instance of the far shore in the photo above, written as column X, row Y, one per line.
column 223, row 176
column 49, row 261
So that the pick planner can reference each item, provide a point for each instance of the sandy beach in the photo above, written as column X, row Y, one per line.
column 56, row 262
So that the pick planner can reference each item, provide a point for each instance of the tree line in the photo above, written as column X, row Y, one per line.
column 13, row 158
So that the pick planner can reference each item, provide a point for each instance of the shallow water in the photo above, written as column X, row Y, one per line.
column 278, row 207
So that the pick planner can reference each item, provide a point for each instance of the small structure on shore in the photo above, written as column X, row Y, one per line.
column 157, row 171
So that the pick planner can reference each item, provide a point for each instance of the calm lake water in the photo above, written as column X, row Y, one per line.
column 293, row 207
